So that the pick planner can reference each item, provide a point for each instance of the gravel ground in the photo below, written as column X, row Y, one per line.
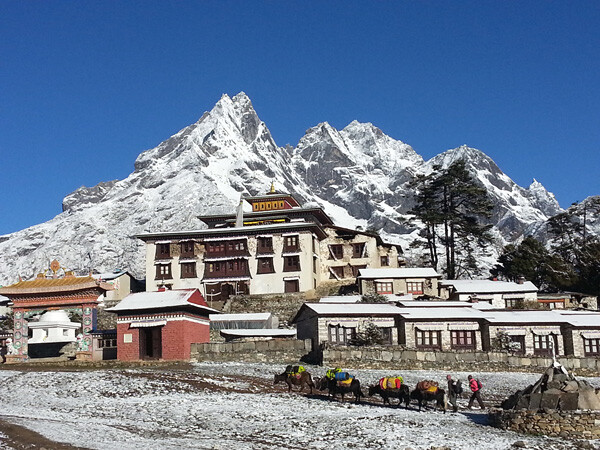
column 225, row 405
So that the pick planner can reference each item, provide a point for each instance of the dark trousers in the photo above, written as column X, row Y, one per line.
column 452, row 401
column 476, row 395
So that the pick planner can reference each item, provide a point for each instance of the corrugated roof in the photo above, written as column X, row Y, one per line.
column 488, row 286
column 353, row 308
column 241, row 317
column 158, row 300
column 261, row 332
column 403, row 272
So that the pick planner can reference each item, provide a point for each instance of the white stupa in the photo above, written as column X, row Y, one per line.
column 53, row 326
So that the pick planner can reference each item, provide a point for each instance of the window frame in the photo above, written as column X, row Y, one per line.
column 463, row 340
column 415, row 287
column 424, row 336
column 288, row 267
column 185, row 272
column 591, row 346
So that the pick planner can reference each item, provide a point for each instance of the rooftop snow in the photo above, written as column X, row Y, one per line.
column 353, row 308
column 488, row 286
column 156, row 300
column 262, row 332
column 235, row 317
column 411, row 272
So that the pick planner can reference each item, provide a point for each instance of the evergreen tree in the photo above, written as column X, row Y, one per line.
column 451, row 207
column 531, row 260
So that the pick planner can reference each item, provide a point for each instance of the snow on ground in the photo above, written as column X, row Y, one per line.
column 235, row 405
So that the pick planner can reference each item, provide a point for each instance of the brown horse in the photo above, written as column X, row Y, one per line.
column 302, row 379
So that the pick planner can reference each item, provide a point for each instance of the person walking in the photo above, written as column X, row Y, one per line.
column 475, row 387
column 454, row 390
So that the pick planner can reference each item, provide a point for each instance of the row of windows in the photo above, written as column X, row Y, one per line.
column 236, row 266
column 338, row 334
column 336, row 251
column 267, row 206
column 264, row 245
column 387, row 287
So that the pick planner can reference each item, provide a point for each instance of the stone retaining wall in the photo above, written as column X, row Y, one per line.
column 392, row 356
column 274, row 350
column 566, row 424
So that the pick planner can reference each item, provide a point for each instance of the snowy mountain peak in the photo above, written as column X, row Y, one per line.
column 360, row 176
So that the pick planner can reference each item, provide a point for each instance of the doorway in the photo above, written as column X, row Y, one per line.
column 151, row 343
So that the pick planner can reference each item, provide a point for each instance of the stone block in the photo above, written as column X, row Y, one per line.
column 588, row 400
column 550, row 400
column 397, row 355
column 468, row 357
column 430, row 356
column 420, row 356
column 409, row 355
column 356, row 354
column 525, row 361
column 262, row 346
column 568, row 401
column 387, row 356
column 534, row 402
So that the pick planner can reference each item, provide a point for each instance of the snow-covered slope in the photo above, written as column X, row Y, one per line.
column 358, row 174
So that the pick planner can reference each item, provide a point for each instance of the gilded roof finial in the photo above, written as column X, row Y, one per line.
column 272, row 191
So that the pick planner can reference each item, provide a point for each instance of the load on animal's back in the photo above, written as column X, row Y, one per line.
column 391, row 387
column 428, row 390
column 295, row 376
column 337, row 381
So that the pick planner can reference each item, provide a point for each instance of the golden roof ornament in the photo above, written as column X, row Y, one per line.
column 272, row 190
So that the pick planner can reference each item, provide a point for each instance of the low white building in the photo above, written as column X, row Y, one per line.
column 399, row 281
column 338, row 323
column 502, row 294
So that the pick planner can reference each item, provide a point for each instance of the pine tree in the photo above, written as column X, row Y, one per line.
column 451, row 207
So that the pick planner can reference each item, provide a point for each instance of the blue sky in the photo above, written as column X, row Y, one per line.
column 87, row 86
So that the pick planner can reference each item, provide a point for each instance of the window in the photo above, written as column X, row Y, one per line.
column 428, row 339
column 413, row 287
column 290, row 243
column 386, row 335
column 107, row 343
column 264, row 245
column 187, row 249
column 358, row 250
column 591, row 347
column 385, row 261
column 163, row 272
column 215, row 248
column 291, row 285
column 188, row 270
column 517, row 344
column 264, row 265
column 336, row 273
column 163, row 251
column 291, row 263
column 462, row 340
column 355, row 269
column 542, row 344
column 336, row 251
column 341, row 335
column 511, row 302
column 384, row 287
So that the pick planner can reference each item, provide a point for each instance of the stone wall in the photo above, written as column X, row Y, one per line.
column 284, row 306
column 394, row 356
column 282, row 351
column 565, row 424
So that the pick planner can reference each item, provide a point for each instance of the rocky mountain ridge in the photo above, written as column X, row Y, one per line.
column 359, row 175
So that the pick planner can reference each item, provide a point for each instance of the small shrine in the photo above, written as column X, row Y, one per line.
column 51, row 295
column 161, row 325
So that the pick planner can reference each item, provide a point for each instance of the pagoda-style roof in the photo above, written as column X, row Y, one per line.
column 316, row 215
column 54, row 285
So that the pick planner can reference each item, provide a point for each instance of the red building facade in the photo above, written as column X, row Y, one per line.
column 161, row 325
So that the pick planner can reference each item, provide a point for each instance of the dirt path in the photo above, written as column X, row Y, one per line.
column 17, row 437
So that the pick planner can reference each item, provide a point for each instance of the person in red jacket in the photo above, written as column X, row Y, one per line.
column 476, row 390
